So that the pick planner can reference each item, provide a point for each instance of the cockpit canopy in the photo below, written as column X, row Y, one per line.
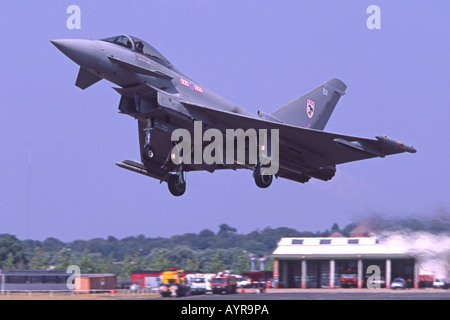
column 140, row 46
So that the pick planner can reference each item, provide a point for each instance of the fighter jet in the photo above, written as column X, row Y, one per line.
column 164, row 100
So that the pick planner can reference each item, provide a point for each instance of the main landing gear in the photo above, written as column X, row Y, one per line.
column 262, row 177
column 177, row 183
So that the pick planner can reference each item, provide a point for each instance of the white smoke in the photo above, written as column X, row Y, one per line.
column 432, row 251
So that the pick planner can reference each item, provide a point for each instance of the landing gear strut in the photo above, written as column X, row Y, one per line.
column 262, row 178
column 177, row 183
column 148, row 152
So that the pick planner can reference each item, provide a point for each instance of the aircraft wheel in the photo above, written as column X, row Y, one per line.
column 177, row 185
column 149, row 153
column 262, row 180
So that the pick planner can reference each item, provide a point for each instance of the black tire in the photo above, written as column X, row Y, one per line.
column 175, row 187
column 261, row 180
column 149, row 153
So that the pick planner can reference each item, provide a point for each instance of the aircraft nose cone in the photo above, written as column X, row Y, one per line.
column 83, row 52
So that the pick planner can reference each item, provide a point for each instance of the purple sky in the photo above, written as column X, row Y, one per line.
column 59, row 144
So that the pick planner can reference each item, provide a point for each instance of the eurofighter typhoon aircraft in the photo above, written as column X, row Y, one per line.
column 183, row 125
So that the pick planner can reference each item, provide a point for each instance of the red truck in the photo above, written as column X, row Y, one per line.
column 349, row 278
column 223, row 283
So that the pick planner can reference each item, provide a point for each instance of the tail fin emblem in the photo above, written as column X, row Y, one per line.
column 310, row 105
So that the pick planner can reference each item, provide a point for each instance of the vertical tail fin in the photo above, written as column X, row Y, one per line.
column 314, row 109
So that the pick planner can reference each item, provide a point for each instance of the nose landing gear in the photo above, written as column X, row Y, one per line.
column 177, row 183
column 148, row 152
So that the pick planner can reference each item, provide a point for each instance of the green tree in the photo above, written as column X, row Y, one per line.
column 39, row 261
column 243, row 264
column 335, row 228
column 63, row 259
column 225, row 230
column 179, row 256
column 205, row 239
column 216, row 264
column 8, row 264
column 206, row 233
column 268, row 266
column 130, row 264
column 105, row 265
column 86, row 263
column 160, row 263
column 192, row 265
column 12, row 250
column 255, row 247
column 52, row 245
column 203, row 257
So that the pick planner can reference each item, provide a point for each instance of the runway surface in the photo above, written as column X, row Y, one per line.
column 328, row 294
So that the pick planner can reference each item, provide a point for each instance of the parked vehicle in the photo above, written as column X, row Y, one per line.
column 349, row 279
column 243, row 281
column 173, row 283
column 223, row 283
column 441, row 283
column 398, row 283
column 197, row 283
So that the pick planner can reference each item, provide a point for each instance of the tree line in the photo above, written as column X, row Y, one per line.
column 205, row 251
